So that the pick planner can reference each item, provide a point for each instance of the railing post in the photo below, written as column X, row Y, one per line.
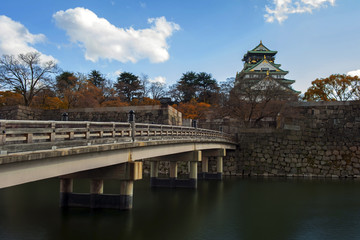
column 113, row 131
column 29, row 138
column 132, row 122
column 87, row 133
column 65, row 116
column 52, row 134
column 3, row 133
column 194, row 123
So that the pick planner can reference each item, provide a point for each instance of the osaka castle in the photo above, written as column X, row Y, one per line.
column 260, row 70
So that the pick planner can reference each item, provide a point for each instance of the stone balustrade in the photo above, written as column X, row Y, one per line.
column 21, row 135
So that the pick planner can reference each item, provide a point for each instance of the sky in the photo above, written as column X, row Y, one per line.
column 164, row 39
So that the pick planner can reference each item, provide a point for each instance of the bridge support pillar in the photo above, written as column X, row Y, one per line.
column 126, row 194
column 96, row 190
column 126, row 173
column 219, row 167
column 218, row 155
column 173, row 170
column 66, row 189
column 193, row 174
column 154, row 172
column 173, row 182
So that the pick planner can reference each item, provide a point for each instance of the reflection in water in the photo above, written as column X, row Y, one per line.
column 231, row 209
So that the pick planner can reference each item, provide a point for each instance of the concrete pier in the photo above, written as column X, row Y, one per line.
column 173, row 182
column 218, row 154
column 66, row 189
column 126, row 173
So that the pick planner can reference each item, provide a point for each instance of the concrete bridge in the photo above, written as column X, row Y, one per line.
column 36, row 150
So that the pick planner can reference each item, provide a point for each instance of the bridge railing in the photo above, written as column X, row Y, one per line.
column 27, row 132
column 19, row 131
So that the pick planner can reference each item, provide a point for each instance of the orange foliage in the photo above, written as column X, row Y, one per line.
column 8, row 98
column 144, row 101
column 114, row 103
column 46, row 102
column 193, row 109
column 336, row 87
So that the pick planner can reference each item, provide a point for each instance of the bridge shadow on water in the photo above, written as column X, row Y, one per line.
column 235, row 208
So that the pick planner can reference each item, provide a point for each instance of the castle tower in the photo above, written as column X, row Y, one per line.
column 260, row 66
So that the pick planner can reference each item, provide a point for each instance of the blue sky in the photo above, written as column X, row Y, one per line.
column 163, row 39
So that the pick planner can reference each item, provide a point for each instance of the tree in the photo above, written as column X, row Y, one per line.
column 144, row 101
column 157, row 90
column 336, row 87
column 193, row 109
column 252, row 104
column 200, row 86
column 26, row 74
column 207, row 87
column 128, row 86
column 46, row 99
column 67, row 85
column 187, row 86
column 97, row 79
column 145, row 86
column 9, row 98
column 225, row 89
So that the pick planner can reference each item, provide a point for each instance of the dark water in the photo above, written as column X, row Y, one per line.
column 231, row 209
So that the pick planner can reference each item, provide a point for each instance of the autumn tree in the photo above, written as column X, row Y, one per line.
column 9, row 98
column 26, row 74
column 144, row 101
column 128, row 86
column 193, row 109
column 67, row 85
column 336, row 87
column 47, row 99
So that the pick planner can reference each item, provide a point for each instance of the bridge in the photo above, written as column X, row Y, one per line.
column 37, row 150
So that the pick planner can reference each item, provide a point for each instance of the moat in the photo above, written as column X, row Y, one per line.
column 235, row 208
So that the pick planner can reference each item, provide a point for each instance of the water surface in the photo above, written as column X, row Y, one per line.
column 231, row 209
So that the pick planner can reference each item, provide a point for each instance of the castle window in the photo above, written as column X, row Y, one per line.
column 264, row 69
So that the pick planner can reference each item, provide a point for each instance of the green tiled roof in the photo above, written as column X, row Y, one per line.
column 249, row 67
column 262, row 52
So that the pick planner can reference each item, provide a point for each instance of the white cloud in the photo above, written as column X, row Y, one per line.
column 118, row 72
column 354, row 73
column 159, row 79
column 101, row 39
column 282, row 8
column 15, row 38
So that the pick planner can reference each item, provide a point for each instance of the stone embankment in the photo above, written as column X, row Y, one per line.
column 324, row 141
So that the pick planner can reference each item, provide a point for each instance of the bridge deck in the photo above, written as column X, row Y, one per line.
column 34, row 150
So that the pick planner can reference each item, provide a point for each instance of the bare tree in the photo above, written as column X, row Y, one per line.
column 264, row 100
column 26, row 74
column 157, row 90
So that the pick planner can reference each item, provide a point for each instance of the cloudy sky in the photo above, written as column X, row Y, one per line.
column 163, row 39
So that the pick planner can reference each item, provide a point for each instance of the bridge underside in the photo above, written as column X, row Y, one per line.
column 19, row 168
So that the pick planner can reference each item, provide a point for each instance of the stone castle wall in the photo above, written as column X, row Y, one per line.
column 324, row 142
column 158, row 114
